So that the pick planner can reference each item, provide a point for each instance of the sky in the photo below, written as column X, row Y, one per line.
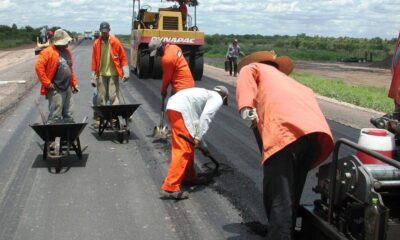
column 330, row 18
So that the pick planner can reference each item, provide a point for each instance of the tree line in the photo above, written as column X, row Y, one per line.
column 14, row 36
column 304, row 47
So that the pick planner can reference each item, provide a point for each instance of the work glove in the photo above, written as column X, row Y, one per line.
column 93, row 79
column 250, row 116
column 51, row 87
column 75, row 89
column 125, row 70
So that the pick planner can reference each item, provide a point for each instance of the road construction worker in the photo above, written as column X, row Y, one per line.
column 190, row 112
column 232, row 55
column 50, row 35
column 394, row 91
column 291, row 130
column 55, row 72
column 109, row 63
column 175, row 69
column 183, row 9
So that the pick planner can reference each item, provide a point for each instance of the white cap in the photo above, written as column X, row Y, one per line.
column 153, row 45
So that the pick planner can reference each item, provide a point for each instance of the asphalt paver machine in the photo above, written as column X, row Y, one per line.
column 357, row 200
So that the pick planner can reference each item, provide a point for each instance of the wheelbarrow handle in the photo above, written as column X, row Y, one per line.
column 202, row 150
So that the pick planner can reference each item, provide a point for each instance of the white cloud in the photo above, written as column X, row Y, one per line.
column 6, row 4
column 354, row 18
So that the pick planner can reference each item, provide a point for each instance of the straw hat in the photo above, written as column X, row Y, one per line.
column 284, row 63
column 61, row 37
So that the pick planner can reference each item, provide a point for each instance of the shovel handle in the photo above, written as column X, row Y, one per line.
column 202, row 150
column 162, row 112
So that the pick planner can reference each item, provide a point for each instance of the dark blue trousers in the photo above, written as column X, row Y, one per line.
column 285, row 174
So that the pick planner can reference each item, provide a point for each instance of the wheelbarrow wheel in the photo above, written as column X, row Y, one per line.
column 120, row 136
column 58, row 166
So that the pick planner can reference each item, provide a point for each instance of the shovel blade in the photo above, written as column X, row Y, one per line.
column 160, row 132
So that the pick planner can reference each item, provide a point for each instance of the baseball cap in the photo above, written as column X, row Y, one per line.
column 104, row 27
column 223, row 91
column 153, row 45
column 61, row 38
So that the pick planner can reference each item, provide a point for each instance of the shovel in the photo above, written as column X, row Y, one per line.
column 204, row 152
column 161, row 131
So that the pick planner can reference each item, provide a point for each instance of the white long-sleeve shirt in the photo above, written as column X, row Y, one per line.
column 198, row 107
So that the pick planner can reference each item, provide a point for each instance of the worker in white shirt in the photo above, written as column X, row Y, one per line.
column 190, row 112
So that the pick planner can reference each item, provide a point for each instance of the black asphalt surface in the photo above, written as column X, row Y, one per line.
column 113, row 192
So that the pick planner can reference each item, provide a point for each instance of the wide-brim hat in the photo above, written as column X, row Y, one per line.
column 284, row 63
column 61, row 38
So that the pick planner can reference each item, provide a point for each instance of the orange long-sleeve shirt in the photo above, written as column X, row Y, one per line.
column 46, row 67
column 117, row 52
column 287, row 110
column 176, row 70
column 394, row 91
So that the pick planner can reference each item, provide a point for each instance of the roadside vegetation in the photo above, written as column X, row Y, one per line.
column 15, row 36
column 363, row 96
column 303, row 47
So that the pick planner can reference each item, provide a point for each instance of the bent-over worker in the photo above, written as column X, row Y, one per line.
column 175, row 69
column 190, row 112
column 295, row 136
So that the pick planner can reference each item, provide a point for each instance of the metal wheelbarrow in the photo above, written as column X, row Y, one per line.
column 114, row 116
column 59, row 139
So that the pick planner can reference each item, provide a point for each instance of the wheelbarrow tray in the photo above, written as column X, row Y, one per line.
column 65, row 134
column 66, row 131
column 108, row 113
column 113, row 111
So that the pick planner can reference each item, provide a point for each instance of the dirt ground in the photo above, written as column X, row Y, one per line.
column 10, row 58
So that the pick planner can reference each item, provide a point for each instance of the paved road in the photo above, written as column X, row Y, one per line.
column 113, row 193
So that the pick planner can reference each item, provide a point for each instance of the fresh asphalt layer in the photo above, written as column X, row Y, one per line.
column 113, row 192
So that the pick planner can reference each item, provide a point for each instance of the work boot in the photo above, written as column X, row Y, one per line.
column 165, row 195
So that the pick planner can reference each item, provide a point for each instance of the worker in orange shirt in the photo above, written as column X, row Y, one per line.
column 55, row 72
column 190, row 112
column 291, row 130
column 394, row 91
column 176, row 70
column 109, row 63
column 183, row 9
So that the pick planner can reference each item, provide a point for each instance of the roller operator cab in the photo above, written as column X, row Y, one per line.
column 172, row 26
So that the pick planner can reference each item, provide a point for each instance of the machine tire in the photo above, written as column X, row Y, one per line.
column 157, row 69
column 143, row 64
column 197, row 66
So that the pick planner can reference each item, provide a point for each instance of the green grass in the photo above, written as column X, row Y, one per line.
column 363, row 96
